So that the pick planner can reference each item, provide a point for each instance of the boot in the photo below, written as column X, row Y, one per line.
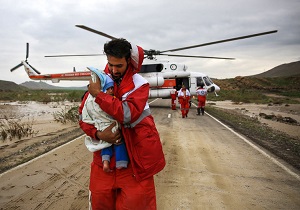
column 198, row 111
column 202, row 111
column 173, row 106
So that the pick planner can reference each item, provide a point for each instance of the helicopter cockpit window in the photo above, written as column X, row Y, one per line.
column 210, row 80
column 199, row 81
column 207, row 81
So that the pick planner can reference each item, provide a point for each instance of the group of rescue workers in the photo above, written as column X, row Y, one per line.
column 184, row 99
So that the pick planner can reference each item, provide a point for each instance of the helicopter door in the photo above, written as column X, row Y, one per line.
column 182, row 81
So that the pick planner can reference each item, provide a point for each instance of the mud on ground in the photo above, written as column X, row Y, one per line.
column 48, row 133
column 51, row 134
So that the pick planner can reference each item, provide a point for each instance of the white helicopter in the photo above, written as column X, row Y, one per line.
column 162, row 77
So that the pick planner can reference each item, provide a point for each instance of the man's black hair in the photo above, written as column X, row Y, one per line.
column 118, row 48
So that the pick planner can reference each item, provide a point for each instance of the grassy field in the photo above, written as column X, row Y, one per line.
column 278, row 90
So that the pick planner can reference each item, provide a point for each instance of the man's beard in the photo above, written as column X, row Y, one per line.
column 118, row 77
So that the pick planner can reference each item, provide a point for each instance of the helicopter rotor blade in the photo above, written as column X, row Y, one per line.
column 27, row 50
column 95, row 31
column 53, row 56
column 198, row 56
column 33, row 68
column 220, row 41
column 150, row 54
column 17, row 66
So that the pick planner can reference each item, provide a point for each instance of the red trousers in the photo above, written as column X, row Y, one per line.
column 184, row 108
column 120, row 190
column 173, row 101
column 201, row 103
column 173, row 104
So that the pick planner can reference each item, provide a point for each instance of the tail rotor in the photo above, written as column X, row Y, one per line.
column 33, row 68
column 27, row 50
column 22, row 63
column 17, row 66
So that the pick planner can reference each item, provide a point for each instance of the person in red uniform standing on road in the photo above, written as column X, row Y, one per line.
column 201, row 95
column 132, row 187
column 184, row 97
column 173, row 94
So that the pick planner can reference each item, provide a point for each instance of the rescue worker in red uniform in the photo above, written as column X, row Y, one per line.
column 201, row 95
column 173, row 94
column 132, row 187
column 184, row 97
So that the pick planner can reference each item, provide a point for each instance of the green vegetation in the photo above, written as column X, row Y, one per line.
column 279, row 90
column 14, row 128
column 67, row 115
column 292, row 94
column 243, row 95
column 253, row 96
column 44, row 96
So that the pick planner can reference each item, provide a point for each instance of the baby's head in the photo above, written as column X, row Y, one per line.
column 108, row 86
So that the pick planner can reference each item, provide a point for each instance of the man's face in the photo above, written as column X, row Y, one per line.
column 117, row 66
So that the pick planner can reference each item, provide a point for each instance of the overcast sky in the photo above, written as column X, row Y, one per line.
column 49, row 27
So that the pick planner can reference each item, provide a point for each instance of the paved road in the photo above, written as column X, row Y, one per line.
column 208, row 167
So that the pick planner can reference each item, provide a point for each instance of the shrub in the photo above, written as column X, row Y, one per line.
column 67, row 115
column 13, row 128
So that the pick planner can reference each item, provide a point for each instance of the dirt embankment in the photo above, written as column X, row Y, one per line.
column 45, row 134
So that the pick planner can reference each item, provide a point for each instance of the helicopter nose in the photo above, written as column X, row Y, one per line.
column 217, row 88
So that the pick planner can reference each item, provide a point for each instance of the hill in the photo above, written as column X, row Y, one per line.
column 285, row 77
column 284, row 70
column 267, row 84
column 10, row 86
column 38, row 85
column 45, row 86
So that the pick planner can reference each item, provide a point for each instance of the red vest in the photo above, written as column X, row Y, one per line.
column 130, row 108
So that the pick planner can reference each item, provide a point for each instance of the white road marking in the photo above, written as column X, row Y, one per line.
column 154, row 100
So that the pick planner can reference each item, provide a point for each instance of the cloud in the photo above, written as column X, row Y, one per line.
column 49, row 27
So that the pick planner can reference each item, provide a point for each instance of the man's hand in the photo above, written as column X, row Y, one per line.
column 94, row 87
column 108, row 136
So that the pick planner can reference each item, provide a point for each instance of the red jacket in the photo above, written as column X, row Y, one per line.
column 184, row 98
column 201, row 94
column 130, row 108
